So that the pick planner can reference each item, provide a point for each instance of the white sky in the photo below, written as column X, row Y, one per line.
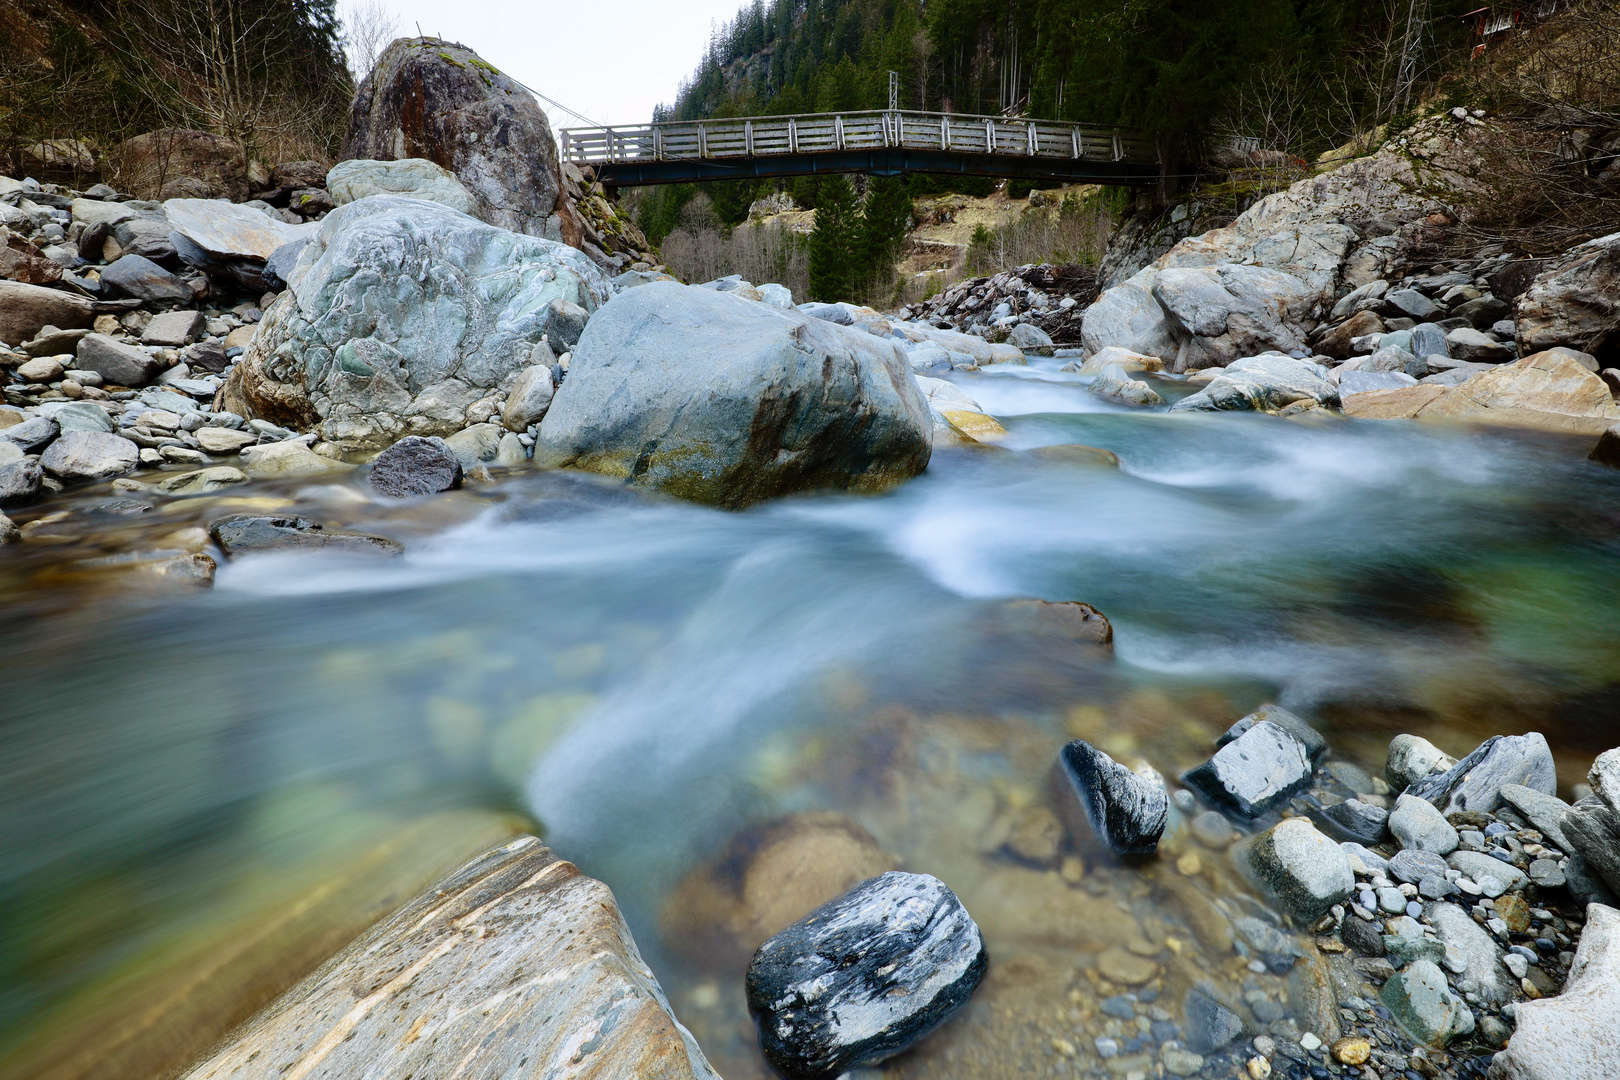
column 612, row 61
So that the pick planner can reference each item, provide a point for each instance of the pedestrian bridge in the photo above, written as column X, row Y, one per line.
column 885, row 143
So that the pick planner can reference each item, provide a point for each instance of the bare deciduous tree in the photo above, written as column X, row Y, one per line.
column 368, row 29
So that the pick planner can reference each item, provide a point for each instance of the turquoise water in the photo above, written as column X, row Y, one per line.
column 644, row 677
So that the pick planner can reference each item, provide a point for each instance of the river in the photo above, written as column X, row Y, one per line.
column 645, row 677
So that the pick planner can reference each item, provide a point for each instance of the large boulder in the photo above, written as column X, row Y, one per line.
column 433, row 99
column 178, row 161
column 399, row 315
column 1575, row 303
column 727, row 401
column 25, row 310
column 1128, row 316
column 415, row 178
column 1264, row 383
column 515, row 964
column 1221, row 313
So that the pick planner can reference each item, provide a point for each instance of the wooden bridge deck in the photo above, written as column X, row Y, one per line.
column 887, row 142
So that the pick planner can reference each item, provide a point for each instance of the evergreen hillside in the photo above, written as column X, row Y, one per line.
column 1296, row 76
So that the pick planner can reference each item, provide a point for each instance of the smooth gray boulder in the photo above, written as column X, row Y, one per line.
column 414, row 178
column 1128, row 316
column 1113, row 384
column 172, row 329
column 117, row 363
column 723, row 400
column 1475, row 782
column 1413, row 303
column 398, row 316
column 529, row 398
column 90, row 455
column 1222, row 313
column 565, row 322
column 1592, row 826
column 1424, row 1006
column 1254, row 773
column 1029, row 336
column 1466, row 343
column 1417, row 825
column 1576, row 1035
column 1262, row 383
column 79, row 416
column 31, row 434
column 1307, row 872
column 1360, row 382
column 1411, row 758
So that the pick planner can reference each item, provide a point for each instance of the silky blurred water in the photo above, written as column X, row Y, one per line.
column 644, row 676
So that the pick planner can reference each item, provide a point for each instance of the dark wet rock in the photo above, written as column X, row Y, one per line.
column 865, row 976
column 1352, row 821
column 1210, row 1024
column 416, row 465
column 19, row 481
column 1584, row 885
column 1592, row 827
column 143, row 279
column 1304, row 870
column 1260, row 769
column 1124, row 811
column 278, row 267
column 1315, row 744
column 1362, row 936
column 1476, row 782
column 251, row 534
column 1412, row 866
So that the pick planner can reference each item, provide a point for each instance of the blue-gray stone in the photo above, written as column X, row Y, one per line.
column 1476, row 782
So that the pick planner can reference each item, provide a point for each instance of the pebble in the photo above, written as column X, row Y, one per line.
column 1516, row 964
column 1310, row 1042
column 1258, row 1068
column 1181, row 1062
column 1352, row 1050
column 1106, row 1047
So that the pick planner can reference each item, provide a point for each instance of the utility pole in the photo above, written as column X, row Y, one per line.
column 894, row 91
column 1417, row 25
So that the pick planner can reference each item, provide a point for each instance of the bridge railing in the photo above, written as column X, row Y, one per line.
column 764, row 136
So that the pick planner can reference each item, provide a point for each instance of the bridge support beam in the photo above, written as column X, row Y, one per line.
column 879, row 161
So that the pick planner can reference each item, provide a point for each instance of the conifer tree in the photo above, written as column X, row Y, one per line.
column 885, row 220
column 833, row 242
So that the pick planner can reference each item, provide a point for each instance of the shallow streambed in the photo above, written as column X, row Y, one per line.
column 646, row 678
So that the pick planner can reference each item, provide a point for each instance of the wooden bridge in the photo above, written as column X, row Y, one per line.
column 884, row 143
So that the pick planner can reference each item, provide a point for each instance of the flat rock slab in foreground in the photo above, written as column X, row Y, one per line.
column 865, row 976
column 515, row 965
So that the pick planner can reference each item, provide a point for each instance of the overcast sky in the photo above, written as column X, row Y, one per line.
column 611, row 61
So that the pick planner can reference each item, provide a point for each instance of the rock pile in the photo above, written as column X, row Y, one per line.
column 1047, row 298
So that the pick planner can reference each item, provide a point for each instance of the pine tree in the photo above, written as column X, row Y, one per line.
column 885, row 220
column 833, row 242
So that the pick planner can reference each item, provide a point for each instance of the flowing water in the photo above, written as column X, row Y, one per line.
column 645, row 678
